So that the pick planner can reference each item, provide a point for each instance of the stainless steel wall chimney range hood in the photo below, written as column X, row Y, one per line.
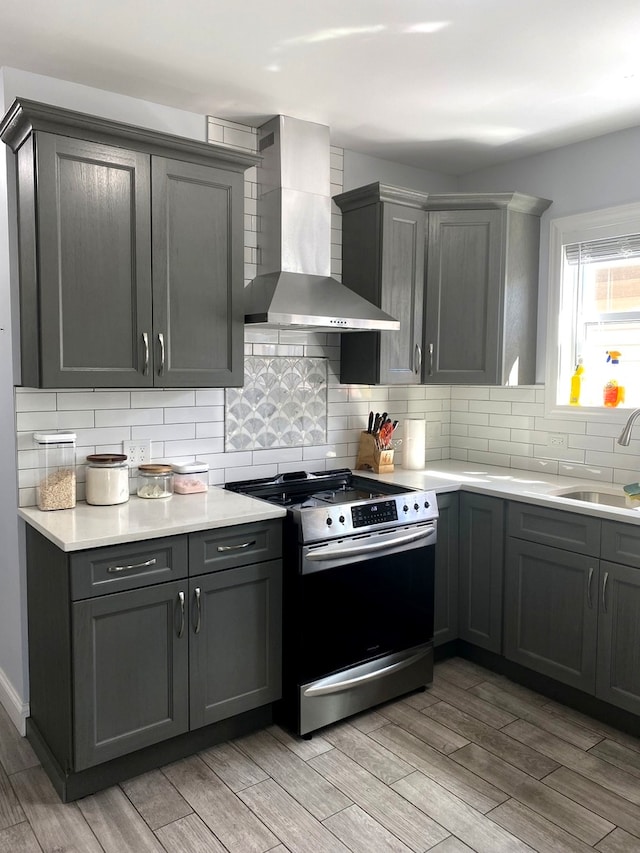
column 294, row 288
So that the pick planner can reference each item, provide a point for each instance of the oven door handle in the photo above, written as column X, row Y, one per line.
column 330, row 552
column 328, row 685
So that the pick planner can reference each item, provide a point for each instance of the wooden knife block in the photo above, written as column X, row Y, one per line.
column 380, row 461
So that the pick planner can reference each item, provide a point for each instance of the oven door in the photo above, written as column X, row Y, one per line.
column 364, row 598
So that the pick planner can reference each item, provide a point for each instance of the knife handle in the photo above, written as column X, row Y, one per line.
column 370, row 424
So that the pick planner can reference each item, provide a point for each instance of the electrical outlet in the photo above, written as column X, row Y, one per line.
column 138, row 451
column 557, row 440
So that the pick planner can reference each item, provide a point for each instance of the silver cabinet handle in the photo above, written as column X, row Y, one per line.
column 161, row 342
column 417, row 359
column 198, row 610
column 181, row 603
column 144, row 565
column 604, row 591
column 589, row 601
column 145, row 341
column 236, row 547
column 430, row 359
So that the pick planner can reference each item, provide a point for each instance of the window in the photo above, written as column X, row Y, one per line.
column 594, row 308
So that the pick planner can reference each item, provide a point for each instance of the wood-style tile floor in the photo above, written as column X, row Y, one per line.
column 476, row 762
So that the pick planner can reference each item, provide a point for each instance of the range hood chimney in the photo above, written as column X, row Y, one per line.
column 294, row 288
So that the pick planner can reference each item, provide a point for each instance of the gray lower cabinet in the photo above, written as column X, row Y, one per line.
column 131, row 253
column 130, row 646
column 618, row 675
column 235, row 647
column 130, row 665
column 446, row 570
column 551, row 611
column 481, row 570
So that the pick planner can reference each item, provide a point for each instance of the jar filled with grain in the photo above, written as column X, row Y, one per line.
column 56, row 487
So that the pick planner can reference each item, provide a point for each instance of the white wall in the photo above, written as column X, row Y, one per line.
column 361, row 169
column 601, row 172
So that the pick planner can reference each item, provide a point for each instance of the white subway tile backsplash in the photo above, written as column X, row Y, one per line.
column 482, row 458
column 158, row 398
column 77, row 400
column 470, row 392
column 528, row 463
column 128, row 417
column 562, row 454
column 511, row 447
column 193, row 414
column 514, row 395
column 561, row 425
column 34, row 401
column 492, row 407
column 591, row 442
column 164, row 432
column 511, row 421
column 210, row 429
column 210, row 397
column 492, row 432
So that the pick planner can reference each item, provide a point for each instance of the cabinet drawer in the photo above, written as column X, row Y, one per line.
column 239, row 545
column 579, row 533
column 120, row 567
column 621, row 543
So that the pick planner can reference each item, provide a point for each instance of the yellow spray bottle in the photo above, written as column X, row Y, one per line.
column 576, row 384
column 613, row 392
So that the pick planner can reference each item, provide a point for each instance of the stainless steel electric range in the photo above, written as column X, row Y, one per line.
column 358, row 592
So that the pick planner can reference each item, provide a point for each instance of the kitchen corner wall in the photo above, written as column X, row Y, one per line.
column 185, row 424
column 481, row 425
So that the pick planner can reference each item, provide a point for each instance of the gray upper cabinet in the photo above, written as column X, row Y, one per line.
column 131, row 253
column 482, row 286
column 383, row 252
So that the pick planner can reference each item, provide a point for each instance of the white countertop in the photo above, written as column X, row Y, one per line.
column 512, row 484
column 88, row 526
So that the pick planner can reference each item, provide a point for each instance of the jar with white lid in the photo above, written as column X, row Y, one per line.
column 56, row 488
column 155, row 481
column 107, row 479
column 191, row 477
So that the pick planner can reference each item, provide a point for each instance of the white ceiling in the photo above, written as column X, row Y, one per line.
column 447, row 85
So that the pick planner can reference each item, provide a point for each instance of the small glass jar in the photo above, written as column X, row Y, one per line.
column 56, row 487
column 190, row 478
column 155, row 481
column 107, row 479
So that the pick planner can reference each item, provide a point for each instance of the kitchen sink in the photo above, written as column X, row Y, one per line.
column 593, row 496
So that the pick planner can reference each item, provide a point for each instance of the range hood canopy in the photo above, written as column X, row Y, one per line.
column 294, row 288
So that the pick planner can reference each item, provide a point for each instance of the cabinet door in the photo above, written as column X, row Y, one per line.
column 197, row 274
column 94, row 273
column 130, row 671
column 235, row 641
column 446, row 571
column 383, row 246
column 481, row 570
column 618, row 678
column 403, row 248
column 550, row 613
column 463, row 326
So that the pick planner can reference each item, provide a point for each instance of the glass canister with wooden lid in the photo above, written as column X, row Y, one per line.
column 107, row 479
column 155, row 480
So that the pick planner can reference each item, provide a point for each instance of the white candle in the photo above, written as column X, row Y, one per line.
column 413, row 446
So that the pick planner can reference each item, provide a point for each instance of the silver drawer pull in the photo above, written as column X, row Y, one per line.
column 198, row 610
column 113, row 569
column 181, row 603
column 236, row 547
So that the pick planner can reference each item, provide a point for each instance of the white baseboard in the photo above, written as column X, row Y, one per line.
column 17, row 710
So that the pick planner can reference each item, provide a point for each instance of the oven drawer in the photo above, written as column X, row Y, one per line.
column 240, row 545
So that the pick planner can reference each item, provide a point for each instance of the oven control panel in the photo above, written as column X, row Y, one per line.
column 320, row 523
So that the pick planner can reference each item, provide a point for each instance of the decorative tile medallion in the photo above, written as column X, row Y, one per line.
column 283, row 404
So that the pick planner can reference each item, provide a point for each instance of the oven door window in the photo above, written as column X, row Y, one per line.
column 356, row 612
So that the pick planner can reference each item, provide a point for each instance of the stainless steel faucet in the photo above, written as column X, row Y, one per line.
column 625, row 436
